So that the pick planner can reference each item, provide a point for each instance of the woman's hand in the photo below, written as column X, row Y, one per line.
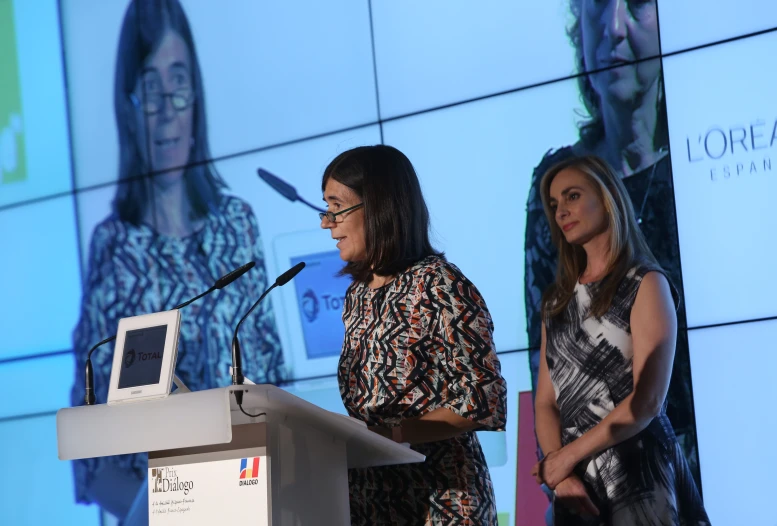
column 572, row 494
column 554, row 468
column 440, row 424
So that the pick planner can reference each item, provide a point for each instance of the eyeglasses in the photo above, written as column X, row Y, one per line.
column 153, row 102
column 331, row 216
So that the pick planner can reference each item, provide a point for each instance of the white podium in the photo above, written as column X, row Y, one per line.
column 211, row 464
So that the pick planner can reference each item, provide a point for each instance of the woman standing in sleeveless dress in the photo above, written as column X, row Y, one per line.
column 608, row 341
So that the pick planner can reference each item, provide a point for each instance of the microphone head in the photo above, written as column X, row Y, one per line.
column 223, row 281
column 279, row 185
column 289, row 274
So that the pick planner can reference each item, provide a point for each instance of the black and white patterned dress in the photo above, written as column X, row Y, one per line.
column 652, row 195
column 642, row 481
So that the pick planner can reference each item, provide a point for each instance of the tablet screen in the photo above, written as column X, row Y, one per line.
column 141, row 361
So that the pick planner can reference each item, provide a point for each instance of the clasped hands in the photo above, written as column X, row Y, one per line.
column 556, row 472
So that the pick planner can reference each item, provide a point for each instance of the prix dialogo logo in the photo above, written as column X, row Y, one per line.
column 166, row 479
column 249, row 471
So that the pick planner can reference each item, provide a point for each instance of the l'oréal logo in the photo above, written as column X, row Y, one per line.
column 734, row 151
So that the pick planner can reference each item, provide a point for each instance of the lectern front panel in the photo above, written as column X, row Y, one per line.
column 218, row 484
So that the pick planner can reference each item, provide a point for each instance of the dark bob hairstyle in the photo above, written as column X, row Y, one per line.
column 396, row 220
column 145, row 24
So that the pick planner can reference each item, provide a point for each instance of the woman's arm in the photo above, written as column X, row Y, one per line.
column 654, row 331
column 571, row 491
column 440, row 424
column 547, row 424
column 461, row 332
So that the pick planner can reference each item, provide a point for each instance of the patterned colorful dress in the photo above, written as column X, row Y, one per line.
column 422, row 342
column 645, row 480
column 134, row 270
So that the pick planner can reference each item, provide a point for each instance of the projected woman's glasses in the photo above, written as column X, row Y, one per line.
column 153, row 102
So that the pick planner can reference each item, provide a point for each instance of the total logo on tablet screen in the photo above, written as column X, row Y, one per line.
column 142, row 360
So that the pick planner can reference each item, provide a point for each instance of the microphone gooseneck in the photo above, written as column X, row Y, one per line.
column 223, row 281
column 186, row 303
column 89, row 372
column 289, row 274
column 237, row 361
column 220, row 283
column 89, row 379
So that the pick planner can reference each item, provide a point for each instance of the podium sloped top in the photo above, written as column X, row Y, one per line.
column 181, row 420
column 206, row 417
column 363, row 447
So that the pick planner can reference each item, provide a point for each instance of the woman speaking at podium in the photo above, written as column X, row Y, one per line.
column 418, row 363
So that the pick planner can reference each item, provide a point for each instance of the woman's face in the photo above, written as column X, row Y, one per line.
column 579, row 211
column 615, row 32
column 348, row 229
column 166, row 130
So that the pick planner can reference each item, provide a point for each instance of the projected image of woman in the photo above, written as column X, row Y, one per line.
column 627, row 126
column 169, row 236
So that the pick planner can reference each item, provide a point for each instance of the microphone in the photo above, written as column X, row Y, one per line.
column 284, row 188
column 289, row 274
column 237, row 363
column 222, row 282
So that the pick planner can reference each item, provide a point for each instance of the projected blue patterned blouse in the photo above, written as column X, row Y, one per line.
column 134, row 270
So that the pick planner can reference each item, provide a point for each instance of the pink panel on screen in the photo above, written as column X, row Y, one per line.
column 530, row 502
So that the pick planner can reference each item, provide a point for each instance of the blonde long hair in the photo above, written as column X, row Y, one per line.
column 627, row 245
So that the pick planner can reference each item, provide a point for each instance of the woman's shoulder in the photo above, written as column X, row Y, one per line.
column 111, row 231
column 653, row 275
column 429, row 267
column 116, row 239
column 233, row 217
column 437, row 271
column 641, row 268
column 233, row 207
